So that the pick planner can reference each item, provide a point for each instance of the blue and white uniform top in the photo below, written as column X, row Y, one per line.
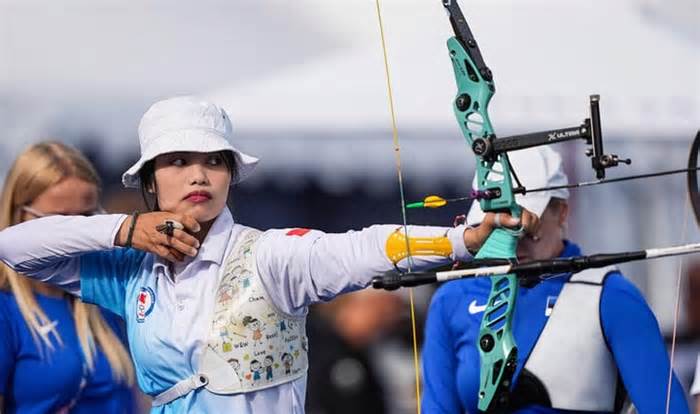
column 169, row 314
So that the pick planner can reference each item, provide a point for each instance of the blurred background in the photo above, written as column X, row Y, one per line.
column 304, row 84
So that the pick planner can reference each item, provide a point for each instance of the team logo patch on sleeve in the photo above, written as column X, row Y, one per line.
column 298, row 232
column 144, row 303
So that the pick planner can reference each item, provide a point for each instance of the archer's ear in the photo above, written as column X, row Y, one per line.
column 563, row 213
column 150, row 184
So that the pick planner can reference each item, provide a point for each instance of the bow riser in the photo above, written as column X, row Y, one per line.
column 497, row 349
column 470, row 108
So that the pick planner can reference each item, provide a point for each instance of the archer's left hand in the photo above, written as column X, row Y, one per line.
column 476, row 236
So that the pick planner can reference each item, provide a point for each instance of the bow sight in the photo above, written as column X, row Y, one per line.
column 590, row 130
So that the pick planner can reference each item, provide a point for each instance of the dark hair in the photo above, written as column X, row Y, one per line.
column 147, row 176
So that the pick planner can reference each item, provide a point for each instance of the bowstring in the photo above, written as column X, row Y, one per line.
column 676, row 310
column 397, row 157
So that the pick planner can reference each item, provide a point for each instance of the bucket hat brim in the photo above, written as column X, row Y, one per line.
column 189, row 140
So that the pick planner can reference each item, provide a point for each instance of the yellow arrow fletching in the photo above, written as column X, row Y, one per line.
column 434, row 201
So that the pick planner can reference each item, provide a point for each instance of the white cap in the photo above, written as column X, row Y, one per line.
column 535, row 167
column 188, row 124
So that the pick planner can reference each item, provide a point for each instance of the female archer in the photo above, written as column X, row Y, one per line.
column 163, row 271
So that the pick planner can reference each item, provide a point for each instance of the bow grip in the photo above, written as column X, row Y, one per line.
column 497, row 348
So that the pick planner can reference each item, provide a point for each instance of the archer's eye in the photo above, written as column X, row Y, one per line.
column 178, row 162
column 215, row 160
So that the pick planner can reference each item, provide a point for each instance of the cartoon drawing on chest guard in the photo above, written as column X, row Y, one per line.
column 256, row 328
column 220, row 324
column 227, row 291
column 287, row 361
column 236, row 365
column 255, row 371
column 267, row 362
column 244, row 278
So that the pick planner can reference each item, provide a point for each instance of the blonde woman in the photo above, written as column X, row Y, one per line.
column 215, row 310
column 56, row 353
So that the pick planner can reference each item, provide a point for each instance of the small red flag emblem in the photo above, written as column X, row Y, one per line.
column 145, row 301
column 297, row 232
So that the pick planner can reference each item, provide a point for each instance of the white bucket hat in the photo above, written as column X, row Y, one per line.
column 188, row 124
column 536, row 167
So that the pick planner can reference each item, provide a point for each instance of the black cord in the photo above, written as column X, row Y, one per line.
column 132, row 226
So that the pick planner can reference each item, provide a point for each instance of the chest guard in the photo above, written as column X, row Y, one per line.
column 571, row 367
column 251, row 345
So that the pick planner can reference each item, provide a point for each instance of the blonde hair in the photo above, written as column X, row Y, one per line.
column 34, row 171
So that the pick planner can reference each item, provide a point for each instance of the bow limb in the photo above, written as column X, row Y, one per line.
column 693, row 191
column 694, row 201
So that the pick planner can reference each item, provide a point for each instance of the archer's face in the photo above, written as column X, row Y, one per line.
column 192, row 183
column 549, row 243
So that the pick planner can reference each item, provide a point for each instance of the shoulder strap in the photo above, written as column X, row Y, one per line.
column 594, row 276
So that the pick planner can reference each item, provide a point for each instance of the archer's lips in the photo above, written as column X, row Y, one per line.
column 198, row 197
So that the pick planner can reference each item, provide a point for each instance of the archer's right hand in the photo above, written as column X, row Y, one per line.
column 147, row 238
